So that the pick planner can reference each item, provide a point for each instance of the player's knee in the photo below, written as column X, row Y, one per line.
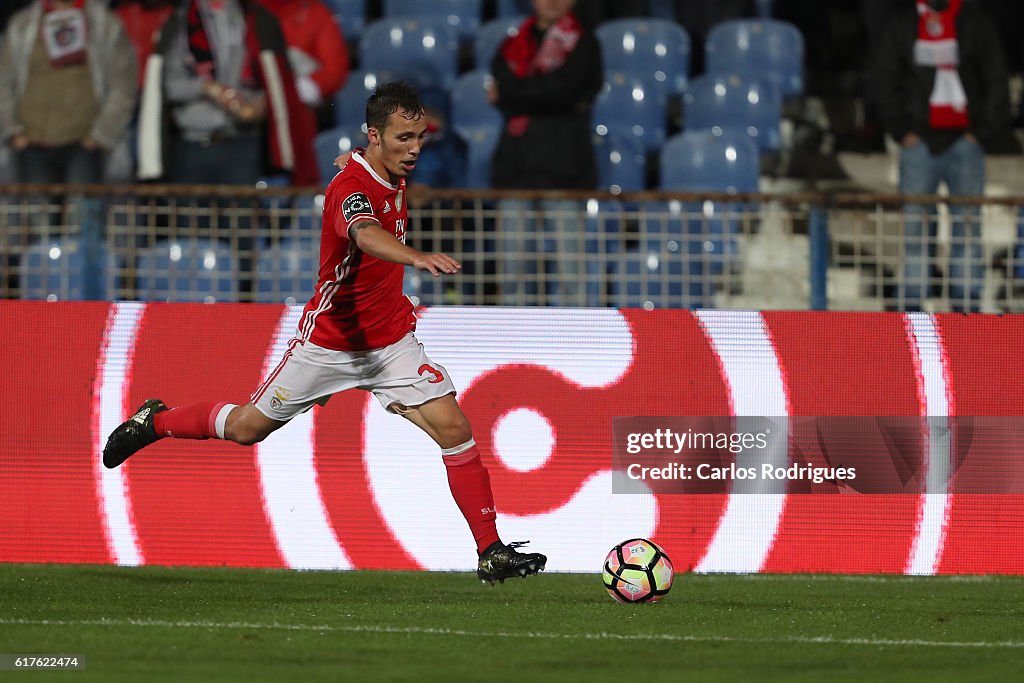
column 457, row 430
column 248, row 437
column 247, row 432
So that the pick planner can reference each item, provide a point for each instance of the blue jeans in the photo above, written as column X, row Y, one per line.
column 541, row 242
column 64, row 164
column 230, row 161
column 962, row 168
column 71, row 164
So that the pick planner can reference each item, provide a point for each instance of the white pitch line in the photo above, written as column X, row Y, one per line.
column 856, row 578
column 537, row 635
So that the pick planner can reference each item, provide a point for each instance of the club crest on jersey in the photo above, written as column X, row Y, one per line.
column 398, row 201
column 355, row 204
column 280, row 396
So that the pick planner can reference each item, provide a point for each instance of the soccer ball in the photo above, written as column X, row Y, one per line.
column 638, row 570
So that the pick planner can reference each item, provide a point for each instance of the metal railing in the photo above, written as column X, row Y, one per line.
column 651, row 249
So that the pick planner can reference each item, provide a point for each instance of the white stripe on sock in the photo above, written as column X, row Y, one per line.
column 458, row 449
column 221, row 420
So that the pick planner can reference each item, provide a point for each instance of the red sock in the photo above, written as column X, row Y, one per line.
column 471, row 488
column 194, row 421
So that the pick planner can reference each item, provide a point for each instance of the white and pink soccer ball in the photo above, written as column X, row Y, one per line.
column 638, row 570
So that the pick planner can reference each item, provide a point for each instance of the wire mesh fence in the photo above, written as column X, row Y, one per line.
column 652, row 250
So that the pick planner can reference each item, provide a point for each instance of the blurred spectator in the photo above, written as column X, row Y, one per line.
column 143, row 20
column 545, row 81
column 67, row 89
column 940, row 87
column 316, row 48
column 229, row 93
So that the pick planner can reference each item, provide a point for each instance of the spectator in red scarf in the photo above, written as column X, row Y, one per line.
column 316, row 48
column 231, row 104
column 546, row 79
column 940, row 88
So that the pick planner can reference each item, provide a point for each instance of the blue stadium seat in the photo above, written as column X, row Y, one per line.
column 332, row 142
column 621, row 162
column 491, row 36
column 478, row 123
column 660, row 269
column 462, row 15
column 752, row 47
column 423, row 50
column 187, row 270
column 287, row 272
column 55, row 270
column 628, row 106
column 657, row 50
column 350, row 101
column 717, row 102
column 704, row 162
column 352, row 16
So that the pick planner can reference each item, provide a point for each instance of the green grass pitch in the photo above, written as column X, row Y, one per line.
column 185, row 624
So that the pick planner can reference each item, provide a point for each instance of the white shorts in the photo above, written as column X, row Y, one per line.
column 400, row 376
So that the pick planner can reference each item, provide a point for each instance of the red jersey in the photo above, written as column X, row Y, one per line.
column 358, row 304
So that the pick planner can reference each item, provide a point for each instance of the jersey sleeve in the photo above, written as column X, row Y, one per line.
column 355, row 206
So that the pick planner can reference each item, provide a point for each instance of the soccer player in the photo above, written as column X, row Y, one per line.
column 357, row 331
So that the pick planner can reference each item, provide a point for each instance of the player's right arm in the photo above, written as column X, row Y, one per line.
column 357, row 222
column 379, row 243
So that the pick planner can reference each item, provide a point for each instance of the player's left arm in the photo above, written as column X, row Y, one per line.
column 379, row 243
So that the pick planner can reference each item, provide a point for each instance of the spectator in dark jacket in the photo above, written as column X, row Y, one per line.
column 546, row 79
column 940, row 89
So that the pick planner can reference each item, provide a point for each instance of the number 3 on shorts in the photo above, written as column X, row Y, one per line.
column 438, row 377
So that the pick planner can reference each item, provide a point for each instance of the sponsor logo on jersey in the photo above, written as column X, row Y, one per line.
column 387, row 207
column 355, row 204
